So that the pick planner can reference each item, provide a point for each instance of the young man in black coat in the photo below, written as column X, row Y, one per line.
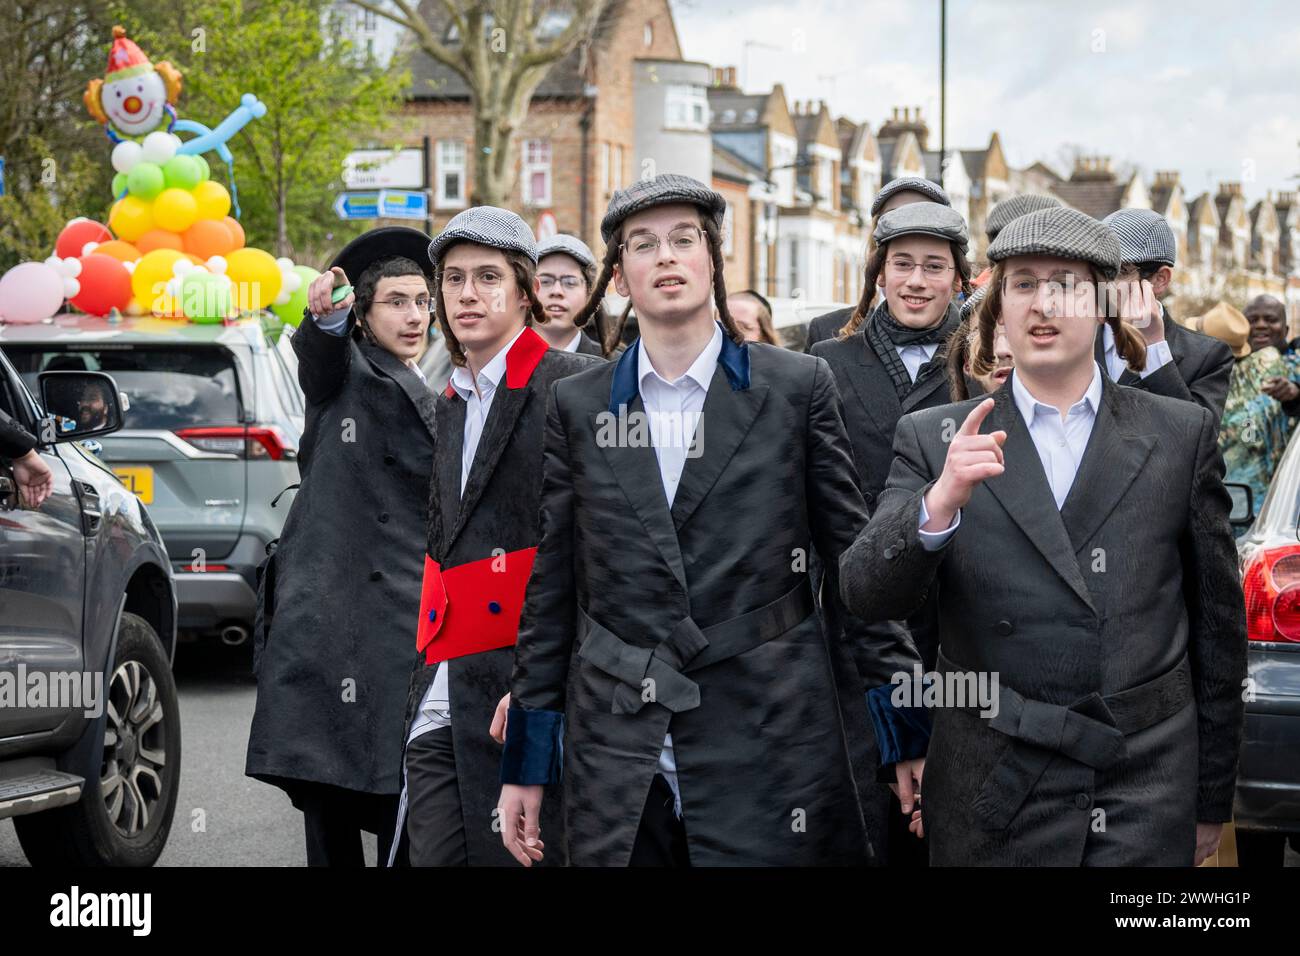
column 337, row 599
column 566, row 270
column 1180, row 362
column 1075, row 536
column 482, row 535
column 669, row 638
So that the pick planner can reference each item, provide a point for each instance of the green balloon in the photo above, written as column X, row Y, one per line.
column 119, row 185
column 205, row 172
column 205, row 298
column 145, row 180
column 291, row 312
column 182, row 172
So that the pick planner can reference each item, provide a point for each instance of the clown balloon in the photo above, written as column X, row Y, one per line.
column 135, row 97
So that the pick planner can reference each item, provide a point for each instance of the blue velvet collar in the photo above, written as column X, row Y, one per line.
column 733, row 358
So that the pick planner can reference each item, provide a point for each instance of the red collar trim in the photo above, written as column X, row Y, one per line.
column 524, row 357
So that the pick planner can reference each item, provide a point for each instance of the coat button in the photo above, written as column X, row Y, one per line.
column 890, row 554
column 383, row 517
column 900, row 545
column 1003, row 627
column 494, row 607
column 1082, row 801
column 389, row 460
column 376, row 575
column 868, row 497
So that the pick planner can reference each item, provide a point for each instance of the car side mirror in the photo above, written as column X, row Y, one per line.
column 80, row 404
column 1243, row 504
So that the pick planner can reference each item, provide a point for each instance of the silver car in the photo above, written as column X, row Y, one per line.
column 212, row 424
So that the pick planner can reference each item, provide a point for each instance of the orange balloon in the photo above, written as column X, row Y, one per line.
column 208, row 238
column 159, row 239
column 236, row 232
column 195, row 259
column 119, row 249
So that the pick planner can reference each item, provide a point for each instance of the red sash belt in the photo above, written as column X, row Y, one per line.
column 472, row 607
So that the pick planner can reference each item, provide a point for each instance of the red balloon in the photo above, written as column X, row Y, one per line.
column 105, row 285
column 76, row 234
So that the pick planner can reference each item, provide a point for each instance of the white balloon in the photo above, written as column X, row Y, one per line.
column 126, row 154
column 176, row 142
column 71, row 287
column 290, row 281
column 158, row 147
column 130, row 266
column 217, row 264
column 282, row 298
column 88, row 248
column 53, row 262
column 71, row 267
column 181, row 266
column 173, row 287
column 285, row 263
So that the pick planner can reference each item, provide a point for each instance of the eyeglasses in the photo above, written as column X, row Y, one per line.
column 400, row 303
column 683, row 241
column 485, row 280
column 1026, row 287
column 903, row 266
column 568, row 283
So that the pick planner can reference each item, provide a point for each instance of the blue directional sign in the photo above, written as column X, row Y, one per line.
column 403, row 204
column 357, row 205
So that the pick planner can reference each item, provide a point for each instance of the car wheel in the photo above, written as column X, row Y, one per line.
column 1260, row 849
column 124, row 818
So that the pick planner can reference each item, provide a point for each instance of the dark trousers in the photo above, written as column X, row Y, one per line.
column 334, row 818
column 435, row 825
column 661, row 837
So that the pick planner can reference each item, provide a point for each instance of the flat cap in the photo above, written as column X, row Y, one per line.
column 1062, row 232
column 922, row 219
column 1143, row 235
column 571, row 246
column 916, row 184
column 486, row 226
column 1013, row 207
column 660, row 191
column 972, row 302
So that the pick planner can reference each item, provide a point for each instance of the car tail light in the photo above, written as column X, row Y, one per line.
column 191, row 569
column 253, row 442
column 1271, row 583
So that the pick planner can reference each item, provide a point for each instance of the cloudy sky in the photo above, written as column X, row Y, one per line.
column 1209, row 89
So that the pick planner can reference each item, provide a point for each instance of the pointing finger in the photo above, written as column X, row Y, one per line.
column 971, row 425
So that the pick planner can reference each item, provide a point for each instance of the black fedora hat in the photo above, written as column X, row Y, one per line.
column 384, row 243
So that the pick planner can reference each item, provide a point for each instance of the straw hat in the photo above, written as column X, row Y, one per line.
column 1228, row 325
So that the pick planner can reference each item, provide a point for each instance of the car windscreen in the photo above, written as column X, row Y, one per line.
column 167, row 387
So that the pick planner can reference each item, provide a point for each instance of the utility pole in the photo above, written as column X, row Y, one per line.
column 943, row 87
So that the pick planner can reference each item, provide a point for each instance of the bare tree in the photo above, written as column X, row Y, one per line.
column 502, row 49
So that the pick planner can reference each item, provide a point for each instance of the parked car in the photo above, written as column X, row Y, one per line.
column 90, row 764
column 209, row 440
column 1267, row 806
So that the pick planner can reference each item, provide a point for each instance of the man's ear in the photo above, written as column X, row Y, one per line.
column 620, row 281
column 1160, row 282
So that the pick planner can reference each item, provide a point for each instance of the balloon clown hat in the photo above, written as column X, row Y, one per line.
column 134, row 95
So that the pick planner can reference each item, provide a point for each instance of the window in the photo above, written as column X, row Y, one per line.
column 825, row 182
column 649, row 34
column 606, row 171
column 618, row 167
column 686, row 107
column 450, row 173
column 728, row 116
column 537, row 172
column 728, row 226
column 751, row 116
column 371, row 20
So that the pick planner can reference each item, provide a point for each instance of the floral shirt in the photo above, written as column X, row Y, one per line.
column 1254, row 430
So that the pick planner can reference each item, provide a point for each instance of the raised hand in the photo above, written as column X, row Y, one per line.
column 971, row 459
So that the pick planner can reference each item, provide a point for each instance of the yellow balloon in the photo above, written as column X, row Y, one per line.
column 256, row 276
column 213, row 200
column 130, row 218
column 175, row 210
column 150, row 278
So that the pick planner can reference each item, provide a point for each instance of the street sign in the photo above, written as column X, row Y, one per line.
column 384, row 169
column 357, row 205
column 402, row 204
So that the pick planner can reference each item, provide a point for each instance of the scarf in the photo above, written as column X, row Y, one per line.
column 887, row 335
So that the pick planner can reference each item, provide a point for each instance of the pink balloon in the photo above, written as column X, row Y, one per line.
column 30, row 292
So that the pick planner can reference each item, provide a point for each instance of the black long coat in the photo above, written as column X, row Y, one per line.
column 1135, row 572
column 498, row 514
column 766, row 760
column 334, row 662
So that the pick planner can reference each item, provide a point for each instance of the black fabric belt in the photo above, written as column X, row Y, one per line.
column 1091, row 730
column 657, row 674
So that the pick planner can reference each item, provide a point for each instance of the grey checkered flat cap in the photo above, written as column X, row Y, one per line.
column 1062, row 232
column 1013, row 207
column 660, row 191
column 922, row 219
column 571, row 246
column 1144, row 236
column 972, row 302
column 486, row 226
column 916, row 184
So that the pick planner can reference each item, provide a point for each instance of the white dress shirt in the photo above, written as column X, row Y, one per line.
column 914, row 356
column 435, row 708
column 673, row 409
column 1157, row 354
column 573, row 342
column 1060, row 443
